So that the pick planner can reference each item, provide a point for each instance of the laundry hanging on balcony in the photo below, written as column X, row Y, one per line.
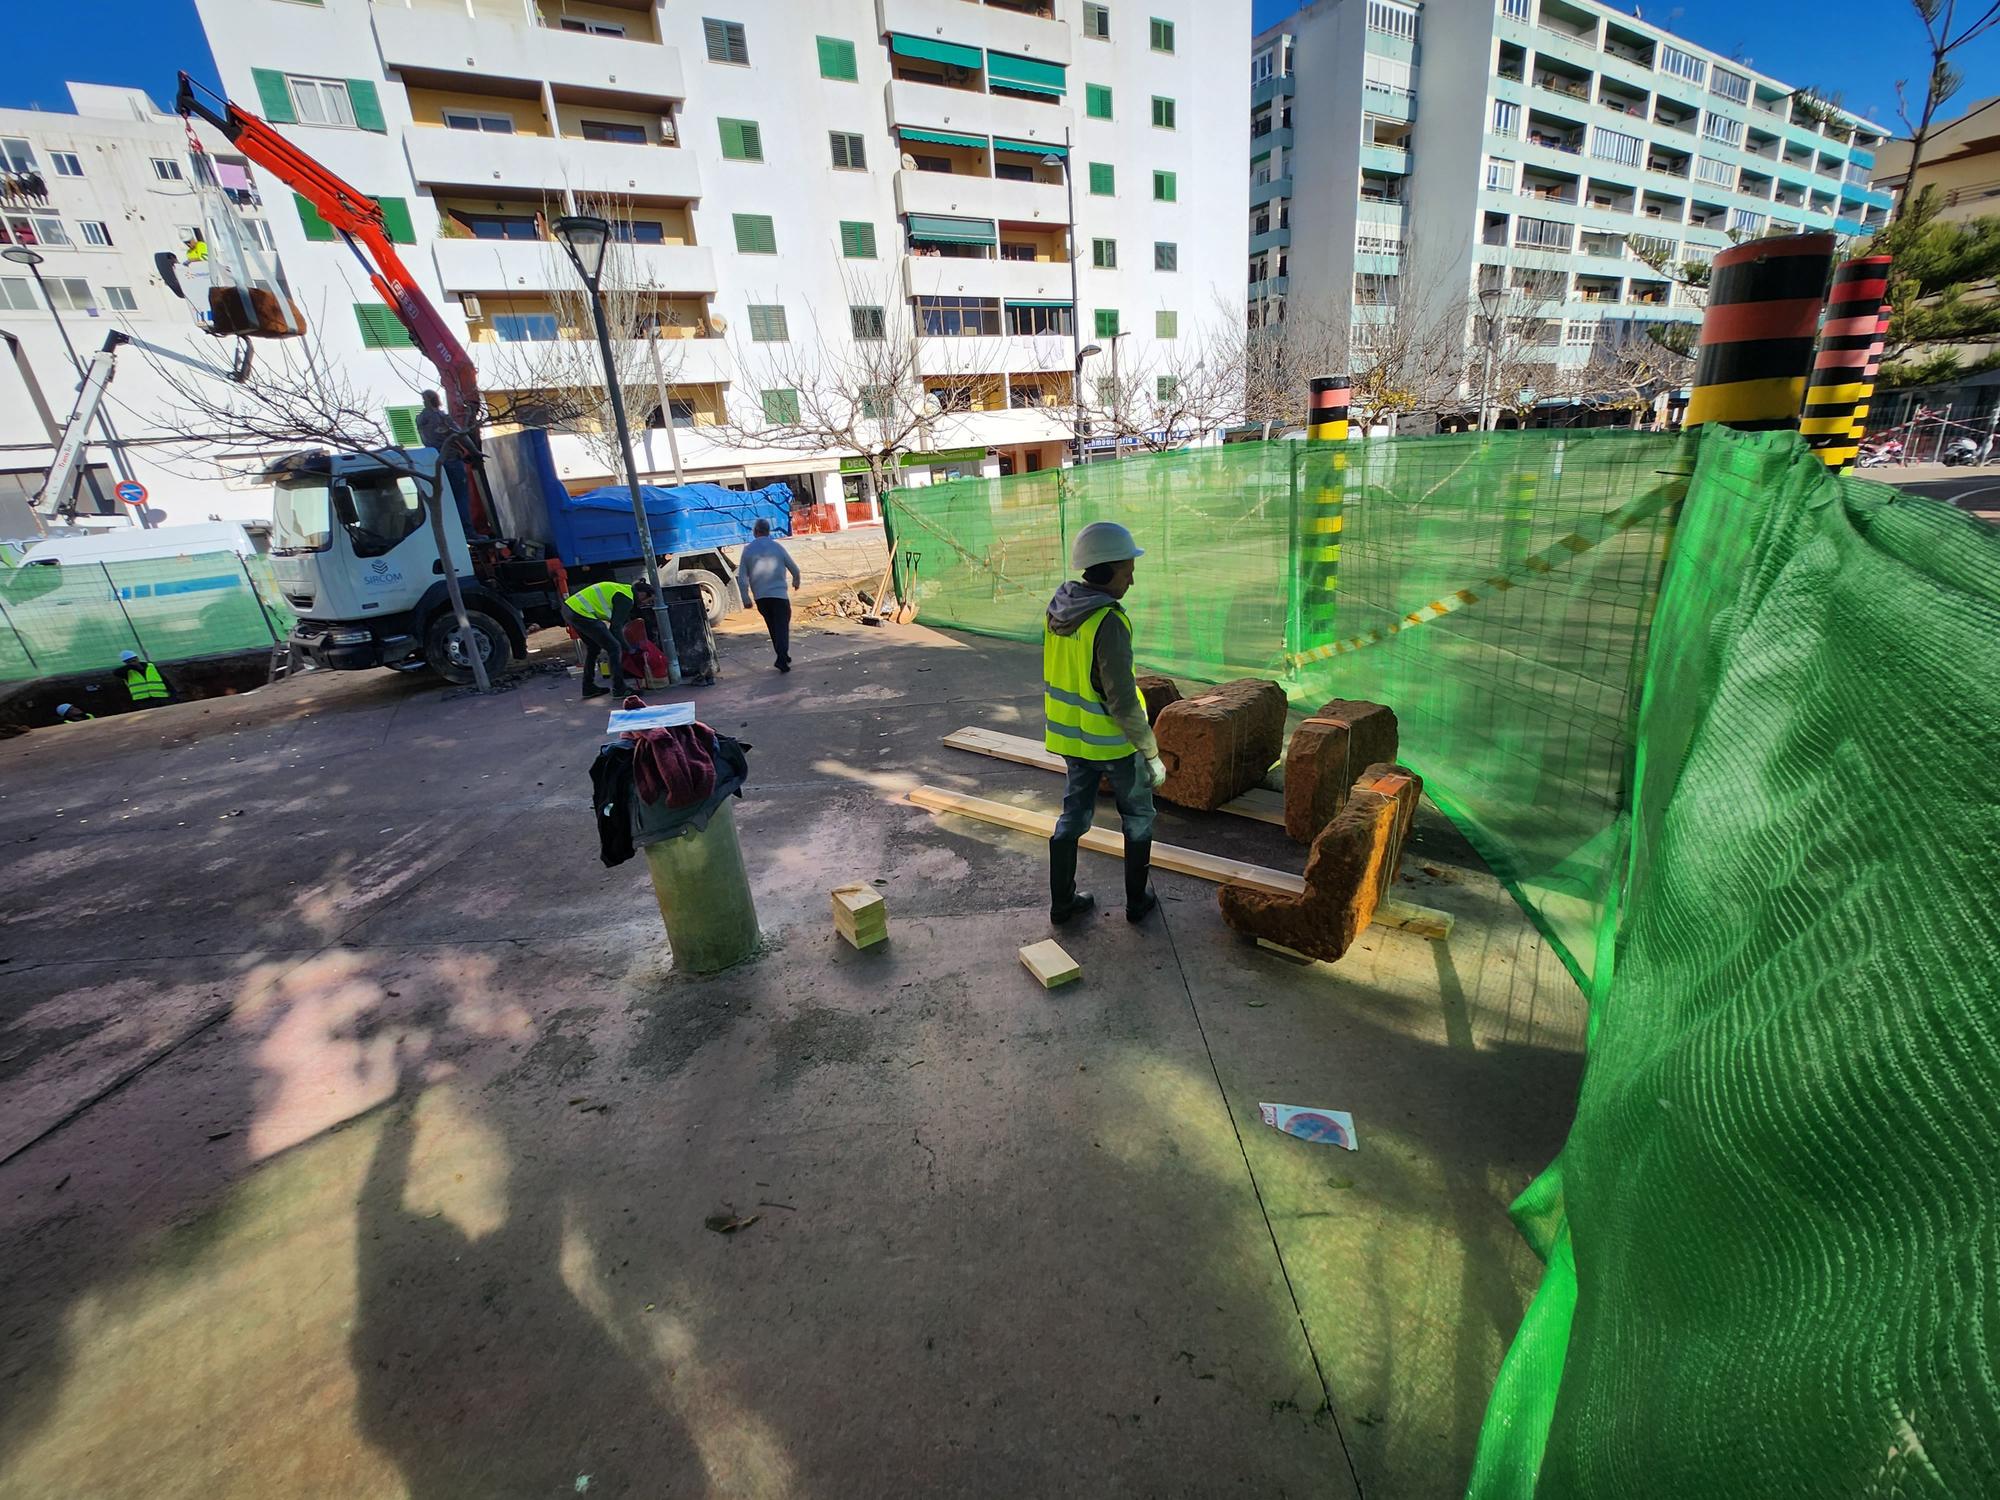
column 246, row 299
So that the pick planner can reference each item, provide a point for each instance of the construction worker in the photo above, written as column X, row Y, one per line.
column 1097, row 718
column 197, row 248
column 599, row 614
column 69, row 713
column 435, row 429
column 142, row 679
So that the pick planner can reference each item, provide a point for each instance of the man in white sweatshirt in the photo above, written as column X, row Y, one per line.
column 761, row 575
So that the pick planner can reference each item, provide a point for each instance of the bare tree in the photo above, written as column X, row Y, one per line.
column 1946, row 34
column 1516, row 346
column 1277, row 356
column 1178, row 389
column 1405, row 354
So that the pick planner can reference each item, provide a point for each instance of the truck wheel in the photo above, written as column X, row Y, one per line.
column 445, row 652
column 714, row 601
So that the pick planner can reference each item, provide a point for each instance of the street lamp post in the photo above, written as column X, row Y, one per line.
column 1061, row 159
column 1490, row 299
column 585, row 238
column 1076, row 392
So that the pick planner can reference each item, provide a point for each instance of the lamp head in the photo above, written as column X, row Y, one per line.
column 21, row 255
column 585, row 237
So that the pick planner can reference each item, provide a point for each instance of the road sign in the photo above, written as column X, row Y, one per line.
column 131, row 492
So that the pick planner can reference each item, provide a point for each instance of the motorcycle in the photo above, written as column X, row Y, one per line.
column 1880, row 454
column 1962, row 451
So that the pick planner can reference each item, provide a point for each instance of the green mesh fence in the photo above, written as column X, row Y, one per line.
column 1744, row 781
column 55, row 621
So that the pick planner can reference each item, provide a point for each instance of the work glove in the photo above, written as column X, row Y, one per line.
column 1157, row 770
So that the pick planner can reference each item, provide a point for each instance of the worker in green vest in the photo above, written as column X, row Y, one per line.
column 142, row 679
column 1097, row 718
column 69, row 713
column 599, row 613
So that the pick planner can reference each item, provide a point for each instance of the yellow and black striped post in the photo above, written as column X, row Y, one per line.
column 1327, row 399
column 1764, row 299
column 1863, row 402
column 1839, row 369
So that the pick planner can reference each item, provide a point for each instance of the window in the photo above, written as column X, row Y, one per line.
column 16, row 155
column 1389, row 75
column 1744, row 222
column 1166, row 387
column 1708, row 169
column 67, row 163
column 782, row 407
column 1262, row 66
column 857, row 240
column 1682, row 64
column 767, row 324
column 315, row 101
column 638, row 231
column 1731, row 86
column 1166, row 325
column 381, row 330
column 1506, row 117
column 755, row 234
column 592, row 28
column 1103, row 179
column 849, row 154
column 1097, row 101
column 1722, row 128
column 1104, row 255
column 523, row 328
column 1029, row 319
column 95, row 232
column 1097, row 22
column 1166, row 187
column 725, row 42
column 1107, row 391
column 465, row 119
column 1107, row 322
column 1392, row 20
column 741, row 140
column 1163, row 113
column 868, row 323
column 1378, row 240
column 39, row 231
column 166, row 169
column 878, row 402
column 403, row 426
column 70, row 293
column 121, row 298
column 1166, row 255
column 622, row 131
column 17, row 294
column 836, row 60
column 1499, row 175
column 944, row 317
column 1163, row 35
column 1514, row 10
column 1615, row 145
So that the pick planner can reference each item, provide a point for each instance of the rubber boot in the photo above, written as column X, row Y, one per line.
column 1139, row 899
column 1065, row 900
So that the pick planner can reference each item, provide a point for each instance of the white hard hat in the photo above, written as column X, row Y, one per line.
column 128, row 656
column 1103, row 542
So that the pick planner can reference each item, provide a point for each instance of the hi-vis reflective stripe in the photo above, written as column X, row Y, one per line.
column 1089, row 737
column 1074, row 700
column 143, row 683
column 1078, row 725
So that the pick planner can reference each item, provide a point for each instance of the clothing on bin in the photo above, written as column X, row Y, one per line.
column 674, row 766
column 627, row 822
column 612, row 801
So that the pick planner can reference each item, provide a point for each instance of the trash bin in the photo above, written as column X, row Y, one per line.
column 704, row 896
column 687, row 616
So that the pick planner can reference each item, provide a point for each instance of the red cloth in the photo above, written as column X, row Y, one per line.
column 675, row 766
column 642, row 657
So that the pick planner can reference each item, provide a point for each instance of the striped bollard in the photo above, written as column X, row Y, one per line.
column 1327, row 399
column 1863, row 402
column 1839, row 370
column 1764, row 299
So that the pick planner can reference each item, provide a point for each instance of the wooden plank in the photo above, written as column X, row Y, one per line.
column 1048, row 962
column 1424, row 921
column 1260, row 803
column 1107, row 841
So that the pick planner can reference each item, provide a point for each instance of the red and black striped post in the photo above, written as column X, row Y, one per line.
column 1327, row 401
column 1839, row 376
column 1865, row 401
column 1764, row 300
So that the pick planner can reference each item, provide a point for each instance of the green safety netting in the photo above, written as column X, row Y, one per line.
column 1727, row 727
column 55, row 621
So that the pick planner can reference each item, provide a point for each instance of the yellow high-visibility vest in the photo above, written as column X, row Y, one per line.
column 597, row 601
column 143, row 682
column 1078, row 724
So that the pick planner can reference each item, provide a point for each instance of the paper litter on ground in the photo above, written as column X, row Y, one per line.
column 1322, row 1126
column 659, row 716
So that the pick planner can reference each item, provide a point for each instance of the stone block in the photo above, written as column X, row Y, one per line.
column 1158, row 692
column 1222, row 742
column 1325, row 756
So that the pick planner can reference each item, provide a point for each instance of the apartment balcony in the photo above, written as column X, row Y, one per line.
column 469, row 265
column 1666, row 167
column 997, row 27
column 1008, row 280
column 1268, row 289
column 930, row 106
column 1266, row 192
column 1377, row 263
column 1394, row 160
column 1390, row 104
column 1380, row 211
column 1277, row 86
column 1562, row 84
column 690, row 361
column 989, row 354
column 960, row 196
column 436, row 40
column 1276, row 238
column 472, row 159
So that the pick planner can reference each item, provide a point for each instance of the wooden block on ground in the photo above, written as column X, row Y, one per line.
column 1261, row 803
column 1220, row 744
column 1048, row 963
column 1424, row 921
column 860, row 915
column 1290, row 955
column 1327, row 755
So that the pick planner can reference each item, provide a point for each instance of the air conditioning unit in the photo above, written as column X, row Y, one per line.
column 469, row 305
column 669, row 132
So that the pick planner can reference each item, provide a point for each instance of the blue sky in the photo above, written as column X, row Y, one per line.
column 142, row 42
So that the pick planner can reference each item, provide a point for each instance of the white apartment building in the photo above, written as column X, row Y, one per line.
column 97, row 193
column 781, row 173
column 1517, row 143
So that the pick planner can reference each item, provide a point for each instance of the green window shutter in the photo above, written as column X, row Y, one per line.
column 755, row 234
column 1104, row 255
column 367, row 105
column 1107, row 322
column 767, row 324
column 1166, row 325
column 782, row 407
column 274, row 96
column 857, row 240
column 396, row 219
column 836, row 59
column 741, row 140
column 1163, row 35
column 315, row 227
column 1165, row 187
column 379, row 327
column 1163, row 112
column 1097, row 101
column 403, row 425
column 1166, row 387
column 1166, row 255
column 1103, row 180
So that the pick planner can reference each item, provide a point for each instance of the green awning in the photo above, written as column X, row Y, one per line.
column 934, row 51
column 1028, row 148
column 952, row 230
column 1035, row 302
column 1024, row 73
column 942, row 137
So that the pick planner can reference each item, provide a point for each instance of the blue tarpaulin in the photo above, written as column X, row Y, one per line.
column 684, row 517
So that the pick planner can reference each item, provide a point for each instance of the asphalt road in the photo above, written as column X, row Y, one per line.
column 1976, row 490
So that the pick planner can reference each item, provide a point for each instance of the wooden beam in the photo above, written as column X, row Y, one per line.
column 1424, row 921
column 1261, row 803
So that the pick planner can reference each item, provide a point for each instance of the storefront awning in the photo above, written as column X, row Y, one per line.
column 1024, row 73
column 1028, row 148
column 952, row 230
column 942, row 137
column 932, row 50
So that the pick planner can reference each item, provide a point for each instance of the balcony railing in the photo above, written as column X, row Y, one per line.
column 1668, row 168
column 1549, row 194
column 1556, row 143
column 1556, row 83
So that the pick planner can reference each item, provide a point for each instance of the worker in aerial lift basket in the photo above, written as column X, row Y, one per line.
column 1097, row 718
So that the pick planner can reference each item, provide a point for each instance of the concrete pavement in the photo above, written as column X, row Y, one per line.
column 359, row 1136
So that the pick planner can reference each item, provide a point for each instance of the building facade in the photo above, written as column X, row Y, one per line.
column 1515, row 147
column 97, row 193
column 789, row 182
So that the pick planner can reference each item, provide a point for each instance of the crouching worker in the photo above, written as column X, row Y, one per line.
column 1097, row 718
column 599, row 614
